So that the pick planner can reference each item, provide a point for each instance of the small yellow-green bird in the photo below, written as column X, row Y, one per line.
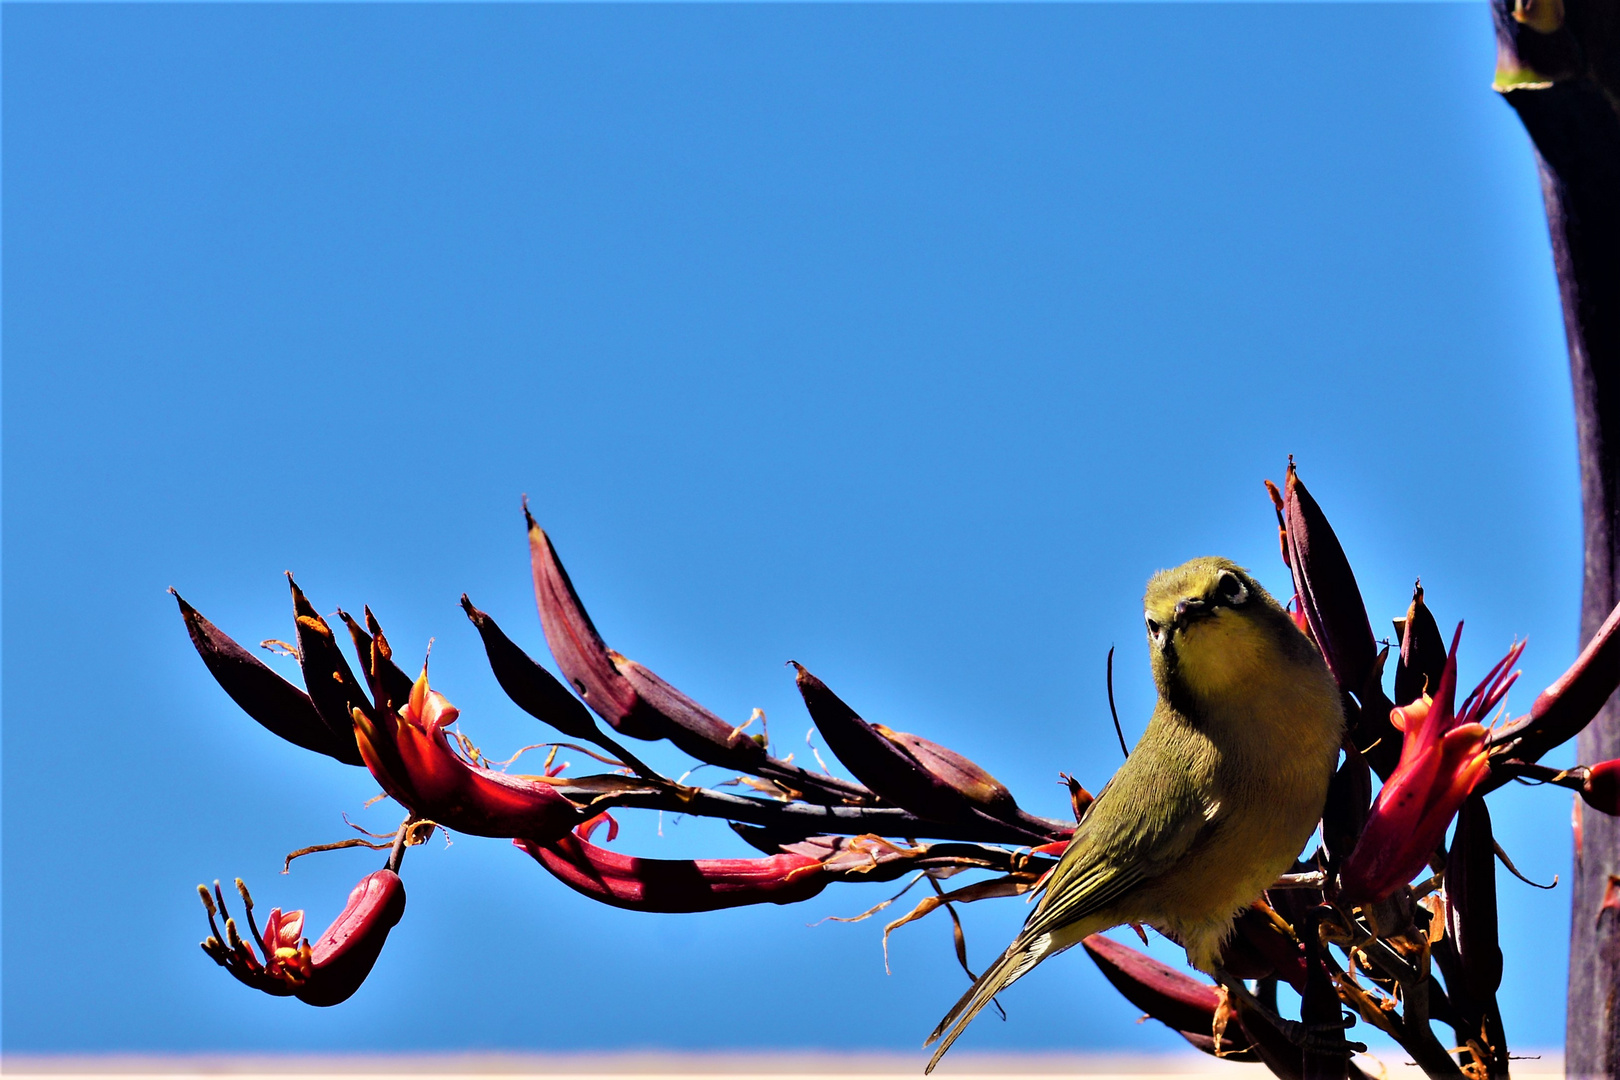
column 1217, row 799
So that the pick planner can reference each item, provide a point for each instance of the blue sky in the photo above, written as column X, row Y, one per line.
column 904, row 341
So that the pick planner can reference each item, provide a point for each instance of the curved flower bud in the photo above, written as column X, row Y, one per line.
column 1423, row 650
column 1335, row 616
column 262, row 694
column 1178, row 1001
column 331, row 682
column 967, row 778
column 1471, row 894
column 911, row 772
column 677, row 885
column 411, row 757
column 1344, row 814
column 1443, row 758
column 1329, row 596
column 632, row 699
column 1569, row 704
column 286, row 964
column 531, row 687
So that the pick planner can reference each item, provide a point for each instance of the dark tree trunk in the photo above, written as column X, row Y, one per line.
column 1558, row 68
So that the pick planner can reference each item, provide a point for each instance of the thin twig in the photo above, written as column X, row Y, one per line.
column 1115, row 712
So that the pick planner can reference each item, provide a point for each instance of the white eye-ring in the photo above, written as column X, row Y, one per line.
column 1154, row 628
column 1230, row 590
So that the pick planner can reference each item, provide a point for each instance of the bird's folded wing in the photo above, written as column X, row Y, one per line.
column 1122, row 843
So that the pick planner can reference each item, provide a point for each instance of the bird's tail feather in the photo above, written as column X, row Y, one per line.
column 1017, row 960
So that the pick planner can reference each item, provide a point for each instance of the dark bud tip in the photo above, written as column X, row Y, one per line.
column 1602, row 787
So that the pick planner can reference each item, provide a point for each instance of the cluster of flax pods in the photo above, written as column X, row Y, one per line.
column 1348, row 929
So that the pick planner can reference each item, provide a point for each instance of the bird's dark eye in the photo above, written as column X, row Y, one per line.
column 1153, row 628
column 1230, row 590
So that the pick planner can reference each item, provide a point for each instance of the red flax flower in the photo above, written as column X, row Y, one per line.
column 324, row 973
column 411, row 757
column 1443, row 758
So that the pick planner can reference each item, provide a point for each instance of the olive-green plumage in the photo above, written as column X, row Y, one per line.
column 1218, row 797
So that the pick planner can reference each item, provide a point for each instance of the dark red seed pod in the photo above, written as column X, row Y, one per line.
column 634, row 700
column 687, row 724
column 1270, row 1046
column 1258, row 927
column 1320, row 1010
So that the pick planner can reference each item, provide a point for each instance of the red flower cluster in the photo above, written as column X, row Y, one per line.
column 287, row 965
column 1444, row 757
column 916, row 806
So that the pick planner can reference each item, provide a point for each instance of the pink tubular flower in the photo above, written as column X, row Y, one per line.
column 1443, row 758
column 411, row 757
column 325, row 973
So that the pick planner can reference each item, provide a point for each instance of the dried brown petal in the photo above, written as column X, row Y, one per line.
column 1203, row 1040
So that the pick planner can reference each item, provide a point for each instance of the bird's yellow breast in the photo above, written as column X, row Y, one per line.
column 1265, row 717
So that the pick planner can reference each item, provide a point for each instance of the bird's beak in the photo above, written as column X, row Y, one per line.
column 1190, row 610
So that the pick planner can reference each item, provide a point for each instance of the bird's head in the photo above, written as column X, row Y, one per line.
column 1213, row 629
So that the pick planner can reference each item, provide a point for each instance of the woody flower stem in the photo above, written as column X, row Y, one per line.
column 1559, row 67
column 396, row 855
